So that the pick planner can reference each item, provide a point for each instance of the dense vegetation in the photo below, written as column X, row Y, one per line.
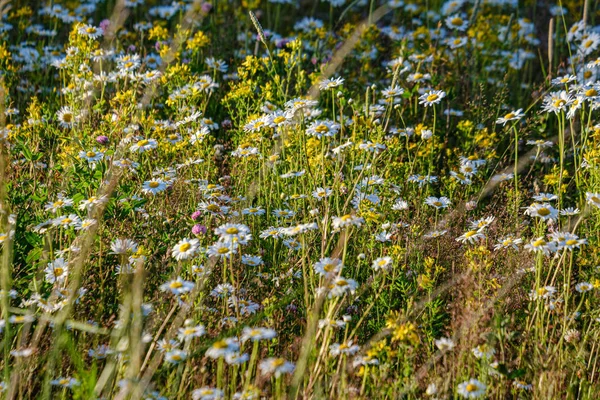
column 293, row 199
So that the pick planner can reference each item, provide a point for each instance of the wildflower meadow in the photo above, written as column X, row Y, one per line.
column 300, row 199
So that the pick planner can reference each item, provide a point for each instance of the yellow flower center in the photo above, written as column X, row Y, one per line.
column 432, row 97
column 176, row 285
column 457, row 21
column 213, row 208
column 471, row 388
column 591, row 93
column 232, row 231
column 322, row 128
column 223, row 250
column 184, row 247
column 543, row 211
column 154, row 184
column 571, row 242
column 142, row 143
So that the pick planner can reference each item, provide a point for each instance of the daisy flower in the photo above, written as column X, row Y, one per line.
column 92, row 156
column 544, row 211
column 544, row 292
column 233, row 232
column 65, row 382
column 557, row 102
column 508, row 242
column 471, row 389
column 57, row 271
column 275, row 366
column 457, row 21
column 321, row 193
column 222, row 249
column 271, row 232
column 541, row 245
column 143, row 145
column 545, row 197
column 593, row 199
column 175, row 356
column 190, row 332
column 253, row 211
column 431, row 97
column 341, row 286
column 441, row 202
column 444, row 344
column 347, row 349
column 569, row 211
column 222, row 348
column 522, row 385
column 511, row 116
column 371, row 147
column 185, row 249
column 67, row 221
column 154, row 186
column 207, row 393
column 346, row 221
column 123, row 246
column 382, row 263
column 177, row 286
column 257, row 334
column 66, row 117
column 471, row 236
column 583, row 287
column 482, row 223
column 327, row 84
column 328, row 266
column 323, row 128
column 253, row 261
column 90, row 31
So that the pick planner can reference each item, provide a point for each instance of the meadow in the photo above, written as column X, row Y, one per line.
column 293, row 199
